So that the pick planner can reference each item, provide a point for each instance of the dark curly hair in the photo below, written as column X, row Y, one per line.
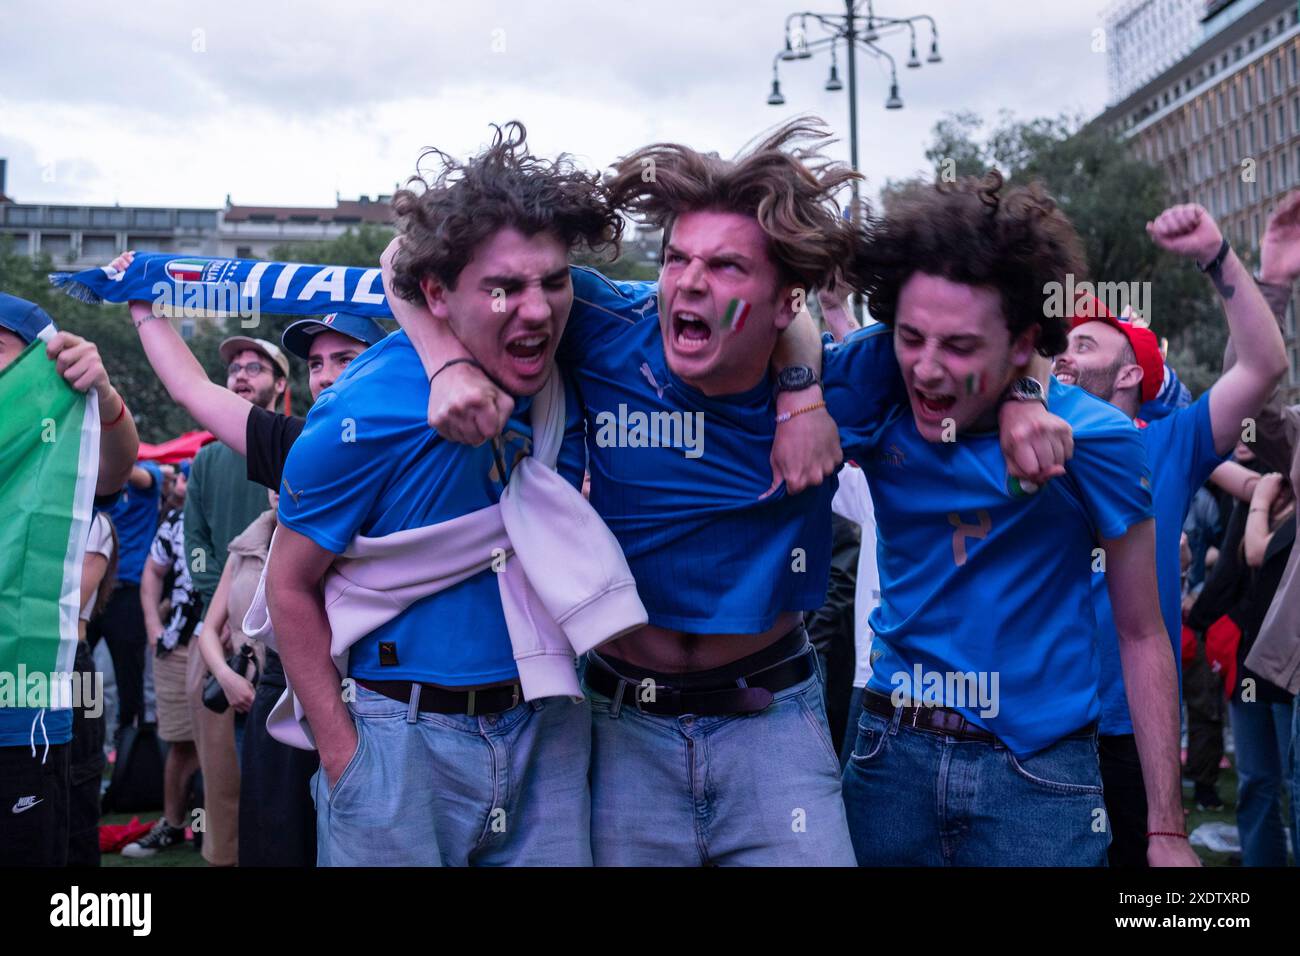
column 783, row 181
column 447, row 217
column 968, row 233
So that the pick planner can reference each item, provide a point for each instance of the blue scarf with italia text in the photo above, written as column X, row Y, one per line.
column 186, row 285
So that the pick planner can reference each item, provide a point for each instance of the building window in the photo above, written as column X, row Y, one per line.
column 1283, row 178
column 243, row 252
column 1281, row 124
column 1268, row 176
column 1295, row 65
column 1263, row 131
column 1250, row 136
column 1277, row 74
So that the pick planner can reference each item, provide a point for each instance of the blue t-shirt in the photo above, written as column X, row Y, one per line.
column 20, row 727
column 677, row 476
column 987, row 594
column 368, row 463
column 135, row 516
column 1181, row 455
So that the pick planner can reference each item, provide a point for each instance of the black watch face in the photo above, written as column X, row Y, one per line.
column 795, row 378
column 1030, row 388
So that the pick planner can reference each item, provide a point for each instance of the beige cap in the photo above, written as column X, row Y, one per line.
column 238, row 343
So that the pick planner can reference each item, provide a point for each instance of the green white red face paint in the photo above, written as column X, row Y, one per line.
column 974, row 384
column 737, row 312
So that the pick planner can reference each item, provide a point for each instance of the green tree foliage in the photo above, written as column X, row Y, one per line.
column 1110, row 195
column 356, row 247
column 110, row 328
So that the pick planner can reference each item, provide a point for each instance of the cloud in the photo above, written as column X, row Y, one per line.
column 287, row 103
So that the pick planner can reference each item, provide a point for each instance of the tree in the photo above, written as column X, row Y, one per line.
column 109, row 327
column 356, row 247
column 1110, row 195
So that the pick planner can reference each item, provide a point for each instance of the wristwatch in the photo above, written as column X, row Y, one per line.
column 795, row 378
column 1025, row 390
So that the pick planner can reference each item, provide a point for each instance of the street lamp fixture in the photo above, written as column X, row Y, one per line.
column 861, row 32
column 833, row 84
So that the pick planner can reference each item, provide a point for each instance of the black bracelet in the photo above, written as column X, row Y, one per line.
column 457, row 361
column 1217, row 261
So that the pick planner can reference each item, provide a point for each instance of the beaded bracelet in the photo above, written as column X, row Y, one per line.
column 786, row 416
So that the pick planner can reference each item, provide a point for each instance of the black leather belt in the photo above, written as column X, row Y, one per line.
column 439, row 700
column 934, row 720
column 745, row 695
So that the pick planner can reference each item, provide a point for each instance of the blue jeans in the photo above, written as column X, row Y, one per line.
column 916, row 798
column 1262, row 735
column 452, row 790
column 737, row 790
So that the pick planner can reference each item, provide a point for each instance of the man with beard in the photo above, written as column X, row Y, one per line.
column 220, row 503
column 1121, row 363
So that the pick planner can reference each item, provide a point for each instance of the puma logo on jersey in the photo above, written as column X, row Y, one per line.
column 291, row 493
column 650, row 377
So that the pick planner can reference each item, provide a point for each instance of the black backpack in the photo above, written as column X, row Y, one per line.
column 137, row 782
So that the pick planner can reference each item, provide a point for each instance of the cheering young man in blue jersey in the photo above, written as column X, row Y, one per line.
column 977, row 743
column 1121, row 363
column 439, row 760
column 710, row 742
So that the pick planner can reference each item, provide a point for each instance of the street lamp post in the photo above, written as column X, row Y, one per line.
column 858, row 31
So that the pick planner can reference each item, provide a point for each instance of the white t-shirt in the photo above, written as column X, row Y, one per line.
column 99, row 542
column 853, row 501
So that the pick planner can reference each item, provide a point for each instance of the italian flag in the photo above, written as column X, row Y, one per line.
column 49, row 464
column 186, row 270
column 737, row 313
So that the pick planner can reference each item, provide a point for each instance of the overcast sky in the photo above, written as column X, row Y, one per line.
column 147, row 103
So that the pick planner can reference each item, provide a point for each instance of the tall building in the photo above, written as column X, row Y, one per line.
column 1146, row 37
column 1224, row 123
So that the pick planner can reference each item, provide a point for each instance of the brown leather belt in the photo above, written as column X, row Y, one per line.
column 933, row 720
column 440, row 700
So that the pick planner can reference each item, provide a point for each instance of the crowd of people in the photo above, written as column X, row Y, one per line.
column 569, row 570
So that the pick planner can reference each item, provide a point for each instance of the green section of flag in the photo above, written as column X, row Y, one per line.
column 45, row 498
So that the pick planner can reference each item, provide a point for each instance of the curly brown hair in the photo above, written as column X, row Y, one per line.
column 966, row 232
column 444, row 220
column 783, row 181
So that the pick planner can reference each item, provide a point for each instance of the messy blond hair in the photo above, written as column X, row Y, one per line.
column 783, row 180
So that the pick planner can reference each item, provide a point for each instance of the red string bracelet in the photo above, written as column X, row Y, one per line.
column 120, row 415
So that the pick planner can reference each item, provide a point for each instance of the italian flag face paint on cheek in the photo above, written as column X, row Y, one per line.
column 973, row 384
column 737, row 313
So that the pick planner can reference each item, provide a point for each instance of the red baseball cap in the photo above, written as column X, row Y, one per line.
column 1088, row 308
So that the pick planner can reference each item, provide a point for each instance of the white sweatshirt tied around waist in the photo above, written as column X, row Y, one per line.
column 565, row 585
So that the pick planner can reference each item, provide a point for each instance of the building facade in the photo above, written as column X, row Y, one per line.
column 83, row 236
column 1224, row 124
column 1146, row 37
